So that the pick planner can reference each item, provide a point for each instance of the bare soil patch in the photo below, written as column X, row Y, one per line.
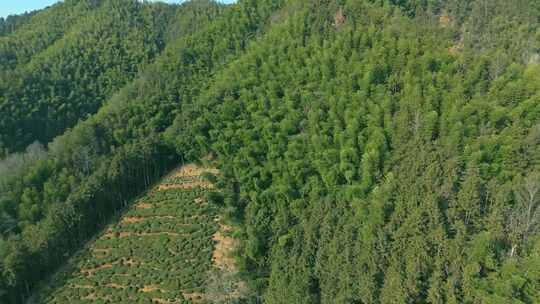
column 150, row 288
column 144, row 206
column 194, row 296
column 187, row 185
column 456, row 48
column 222, row 255
column 193, row 170
column 446, row 20
column 132, row 220
column 91, row 297
column 116, row 286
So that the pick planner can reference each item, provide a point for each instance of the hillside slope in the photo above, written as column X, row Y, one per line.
column 369, row 152
column 368, row 162
column 39, row 30
column 55, row 203
column 161, row 249
column 99, row 47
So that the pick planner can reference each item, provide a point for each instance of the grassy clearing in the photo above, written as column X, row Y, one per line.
column 160, row 251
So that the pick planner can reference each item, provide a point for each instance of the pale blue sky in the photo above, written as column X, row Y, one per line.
column 13, row 7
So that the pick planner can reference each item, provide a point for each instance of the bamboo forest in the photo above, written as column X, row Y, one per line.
column 271, row 151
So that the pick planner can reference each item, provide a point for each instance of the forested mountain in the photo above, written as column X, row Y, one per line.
column 13, row 22
column 370, row 151
column 66, row 61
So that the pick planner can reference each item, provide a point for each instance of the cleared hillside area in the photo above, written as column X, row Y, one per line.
column 160, row 250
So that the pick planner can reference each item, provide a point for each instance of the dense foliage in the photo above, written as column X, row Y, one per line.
column 92, row 170
column 374, row 163
column 38, row 31
column 70, row 79
column 371, row 151
column 13, row 22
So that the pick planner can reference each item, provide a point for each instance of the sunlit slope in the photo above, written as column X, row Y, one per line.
column 161, row 250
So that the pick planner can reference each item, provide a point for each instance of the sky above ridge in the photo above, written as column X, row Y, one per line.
column 15, row 7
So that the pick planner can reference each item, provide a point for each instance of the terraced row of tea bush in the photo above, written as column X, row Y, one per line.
column 159, row 251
